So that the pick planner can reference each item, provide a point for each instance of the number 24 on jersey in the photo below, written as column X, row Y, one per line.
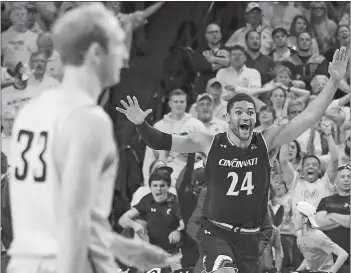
column 245, row 186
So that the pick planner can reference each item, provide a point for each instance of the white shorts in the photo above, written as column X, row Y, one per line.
column 32, row 265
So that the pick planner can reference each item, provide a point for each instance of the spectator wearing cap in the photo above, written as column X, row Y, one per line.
column 282, row 51
column 333, row 214
column 46, row 45
column 160, row 209
column 238, row 77
column 204, row 108
column 316, row 247
column 255, row 59
column 253, row 18
column 210, row 58
column 304, row 64
column 18, row 42
column 175, row 122
column 213, row 88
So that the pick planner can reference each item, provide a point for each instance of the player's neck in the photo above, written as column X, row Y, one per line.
column 237, row 141
column 82, row 79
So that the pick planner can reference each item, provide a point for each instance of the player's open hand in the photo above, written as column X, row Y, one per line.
column 144, row 256
column 133, row 111
column 337, row 68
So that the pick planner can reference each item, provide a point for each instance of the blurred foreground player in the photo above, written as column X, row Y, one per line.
column 64, row 160
column 238, row 170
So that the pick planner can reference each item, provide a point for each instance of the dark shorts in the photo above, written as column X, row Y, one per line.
column 223, row 248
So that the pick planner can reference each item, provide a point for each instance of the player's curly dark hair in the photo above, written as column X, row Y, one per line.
column 239, row 97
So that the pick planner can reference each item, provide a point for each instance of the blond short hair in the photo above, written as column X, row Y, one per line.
column 79, row 28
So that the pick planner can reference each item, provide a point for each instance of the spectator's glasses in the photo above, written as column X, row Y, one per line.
column 345, row 167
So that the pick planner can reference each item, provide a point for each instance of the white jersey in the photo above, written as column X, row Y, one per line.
column 35, row 181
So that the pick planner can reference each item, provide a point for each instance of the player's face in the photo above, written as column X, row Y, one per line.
column 292, row 151
column 177, row 104
column 113, row 61
column 311, row 169
column 159, row 190
column 343, row 180
column 278, row 97
column 205, row 110
column 242, row 119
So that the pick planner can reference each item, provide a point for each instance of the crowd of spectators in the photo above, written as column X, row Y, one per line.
column 280, row 57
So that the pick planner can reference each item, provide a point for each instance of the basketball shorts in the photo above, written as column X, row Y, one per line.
column 221, row 248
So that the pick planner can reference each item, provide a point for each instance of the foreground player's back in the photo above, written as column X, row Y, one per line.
column 35, row 181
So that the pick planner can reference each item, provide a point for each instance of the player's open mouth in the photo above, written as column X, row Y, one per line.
column 244, row 127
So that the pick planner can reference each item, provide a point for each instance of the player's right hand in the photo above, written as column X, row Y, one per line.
column 133, row 111
column 145, row 256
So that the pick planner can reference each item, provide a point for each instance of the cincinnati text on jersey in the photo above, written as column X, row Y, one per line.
column 234, row 163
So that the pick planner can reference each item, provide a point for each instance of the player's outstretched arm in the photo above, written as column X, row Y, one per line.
column 79, row 158
column 280, row 135
column 157, row 140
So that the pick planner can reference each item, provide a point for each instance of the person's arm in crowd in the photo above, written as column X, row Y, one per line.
column 285, row 165
column 322, row 217
column 155, row 139
column 333, row 151
column 127, row 219
column 194, row 221
column 151, row 10
column 310, row 144
column 277, row 244
column 344, row 86
column 222, row 61
column 184, row 178
column 279, row 135
column 175, row 236
column 254, row 91
column 343, row 220
column 299, row 92
column 344, row 100
column 79, row 160
column 265, row 234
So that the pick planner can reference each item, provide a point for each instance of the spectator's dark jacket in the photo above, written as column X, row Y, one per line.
column 6, row 223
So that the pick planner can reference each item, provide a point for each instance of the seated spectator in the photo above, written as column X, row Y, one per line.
column 160, row 210
column 237, row 77
column 323, row 28
column 253, row 18
column 300, row 24
column 213, row 88
column 304, row 64
column 315, row 246
column 204, row 108
column 282, row 51
column 255, row 59
column 46, row 45
column 39, row 78
column 266, row 117
column 211, row 58
column 174, row 123
column 333, row 214
column 18, row 43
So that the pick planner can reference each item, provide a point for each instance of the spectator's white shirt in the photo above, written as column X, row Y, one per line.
column 216, row 126
column 17, row 46
column 46, row 83
column 312, row 193
column 170, row 126
column 246, row 77
column 303, row 141
column 219, row 111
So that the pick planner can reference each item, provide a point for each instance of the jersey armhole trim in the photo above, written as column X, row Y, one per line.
column 265, row 143
column 209, row 150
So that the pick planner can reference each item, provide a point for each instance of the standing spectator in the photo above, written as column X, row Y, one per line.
column 333, row 214
column 300, row 24
column 39, row 78
column 18, row 43
column 315, row 246
column 33, row 19
column 266, row 117
column 323, row 28
column 160, row 209
column 211, row 58
column 213, row 88
column 253, row 18
column 238, row 77
column 255, row 59
column 278, row 100
column 304, row 64
column 282, row 51
column 46, row 46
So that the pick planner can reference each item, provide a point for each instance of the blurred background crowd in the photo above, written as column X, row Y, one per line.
column 187, row 60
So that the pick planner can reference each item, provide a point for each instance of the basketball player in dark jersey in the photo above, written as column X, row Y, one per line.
column 238, row 169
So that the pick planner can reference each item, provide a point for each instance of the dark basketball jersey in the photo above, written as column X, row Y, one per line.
column 238, row 182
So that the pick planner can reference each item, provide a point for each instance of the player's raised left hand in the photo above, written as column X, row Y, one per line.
column 337, row 68
column 133, row 111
